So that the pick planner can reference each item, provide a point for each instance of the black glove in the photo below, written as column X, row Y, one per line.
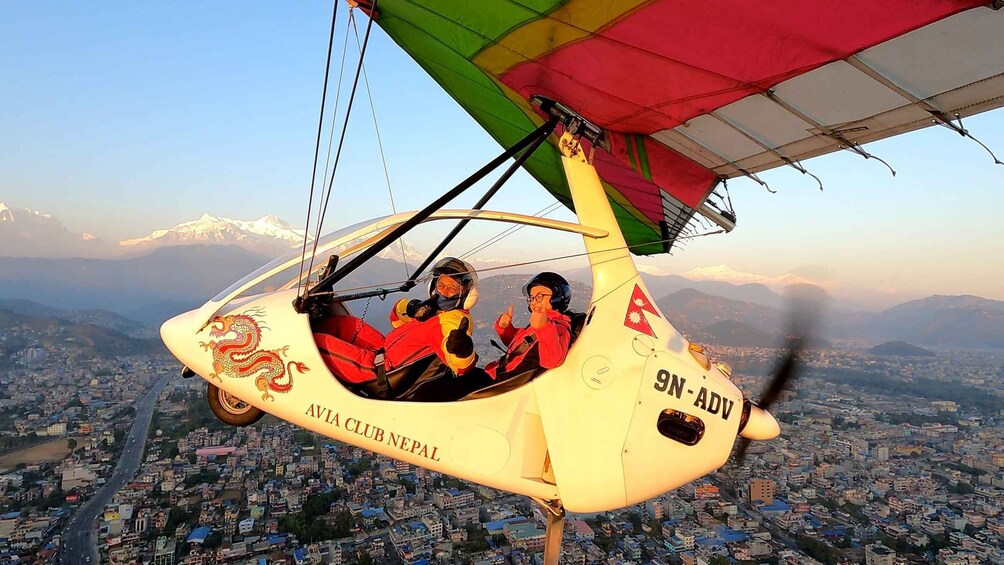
column 419, row 310
column 458, row 342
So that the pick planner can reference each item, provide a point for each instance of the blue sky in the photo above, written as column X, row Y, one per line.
column 121, row 118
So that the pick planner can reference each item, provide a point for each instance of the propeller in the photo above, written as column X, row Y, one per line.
column 805, row 313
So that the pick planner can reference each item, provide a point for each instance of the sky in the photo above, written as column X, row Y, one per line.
column 121, row 118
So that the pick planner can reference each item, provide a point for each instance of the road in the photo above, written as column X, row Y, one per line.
column 79, row 537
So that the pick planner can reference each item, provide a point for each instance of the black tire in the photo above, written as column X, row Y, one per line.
column 230, row 409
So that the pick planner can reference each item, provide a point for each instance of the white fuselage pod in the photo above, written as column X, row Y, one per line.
column 496, row 441
column 630, row 414
column 634, row 375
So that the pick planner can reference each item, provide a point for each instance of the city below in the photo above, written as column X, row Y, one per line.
column 114, row 458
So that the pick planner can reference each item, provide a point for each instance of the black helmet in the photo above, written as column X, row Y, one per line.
column 561, row 291
column 463, row 273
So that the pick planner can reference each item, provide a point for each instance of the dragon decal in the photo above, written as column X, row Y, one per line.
column 236, row 354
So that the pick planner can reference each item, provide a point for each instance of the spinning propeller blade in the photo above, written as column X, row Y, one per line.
column 805, row 313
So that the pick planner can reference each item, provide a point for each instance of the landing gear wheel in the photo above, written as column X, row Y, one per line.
column 230, row 409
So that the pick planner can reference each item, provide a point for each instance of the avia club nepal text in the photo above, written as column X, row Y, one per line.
column 373, row 432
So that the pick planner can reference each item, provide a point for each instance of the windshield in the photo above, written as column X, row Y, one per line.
column 283, row 272
column 333, row 243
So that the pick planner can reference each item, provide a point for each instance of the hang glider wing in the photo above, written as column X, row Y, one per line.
column 691, row 92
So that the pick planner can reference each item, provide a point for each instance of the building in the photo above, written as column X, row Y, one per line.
column 524, row 535
column 705, row 492
column 164, row 554
column 878, row 554
column 76, row 477
column 452, row 498
column 763, row 490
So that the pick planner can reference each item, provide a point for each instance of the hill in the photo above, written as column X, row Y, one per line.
column 952, row 321
column 100, row 318
column 87, row 339
column 705, row 310
column 900, row 348
column 186, row 275
column 738, row 334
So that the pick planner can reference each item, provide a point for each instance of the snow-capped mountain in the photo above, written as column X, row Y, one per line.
column 724, row 273
column 267, row 235
column 28, row 233
column 651, row 270
column 409, row 254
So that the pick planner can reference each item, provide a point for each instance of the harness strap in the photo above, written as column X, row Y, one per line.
column 381, row 374
column 520, row 350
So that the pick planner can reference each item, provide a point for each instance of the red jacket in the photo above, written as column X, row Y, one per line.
column 531, row 348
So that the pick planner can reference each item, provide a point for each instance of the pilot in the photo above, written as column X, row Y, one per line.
column 434, row 334
column 544, row 343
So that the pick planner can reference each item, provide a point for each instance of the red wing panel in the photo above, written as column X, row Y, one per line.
column 672, row 60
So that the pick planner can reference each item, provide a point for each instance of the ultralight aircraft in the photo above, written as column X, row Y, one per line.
column 634, row 114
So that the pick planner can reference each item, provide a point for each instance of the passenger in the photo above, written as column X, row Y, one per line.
column 439, row 327
column 544, row 343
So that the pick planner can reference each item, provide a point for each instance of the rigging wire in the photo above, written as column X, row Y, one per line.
column 428, row 277
column 341, row 140
column 331, row 133
column 376, row 128
column 509, row 231
column 317, row 146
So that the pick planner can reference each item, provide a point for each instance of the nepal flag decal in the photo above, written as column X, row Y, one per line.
column 635, row 316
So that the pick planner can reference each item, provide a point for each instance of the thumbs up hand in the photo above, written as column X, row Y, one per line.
column 538, row 319
column 506, row 318
column 458, row 342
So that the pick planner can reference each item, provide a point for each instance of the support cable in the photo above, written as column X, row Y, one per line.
column 317, row 146
column 401, row 285
column 331, row 132
column 341, row 140
column 376, row 129
column 328, row 282
column 509, row 231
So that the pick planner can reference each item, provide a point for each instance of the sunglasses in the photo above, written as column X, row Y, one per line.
column 448, row 288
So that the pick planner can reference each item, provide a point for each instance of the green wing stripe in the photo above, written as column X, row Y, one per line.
column 443, row 47
column 643, row 157
column 630, row 151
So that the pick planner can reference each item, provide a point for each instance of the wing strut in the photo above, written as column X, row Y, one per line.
column 480, row 204
column 555, row 513
column 328, row 282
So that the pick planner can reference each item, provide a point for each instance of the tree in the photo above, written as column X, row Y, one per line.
column 817, row 550
column 213, row 540
column 71, row 444
column 176, row 516
column 635, row 520
column 305, row 438
column 656, row 526
column 171, row 451
column 962, row 487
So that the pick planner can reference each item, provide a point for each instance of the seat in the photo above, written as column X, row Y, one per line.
column 578, row 321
